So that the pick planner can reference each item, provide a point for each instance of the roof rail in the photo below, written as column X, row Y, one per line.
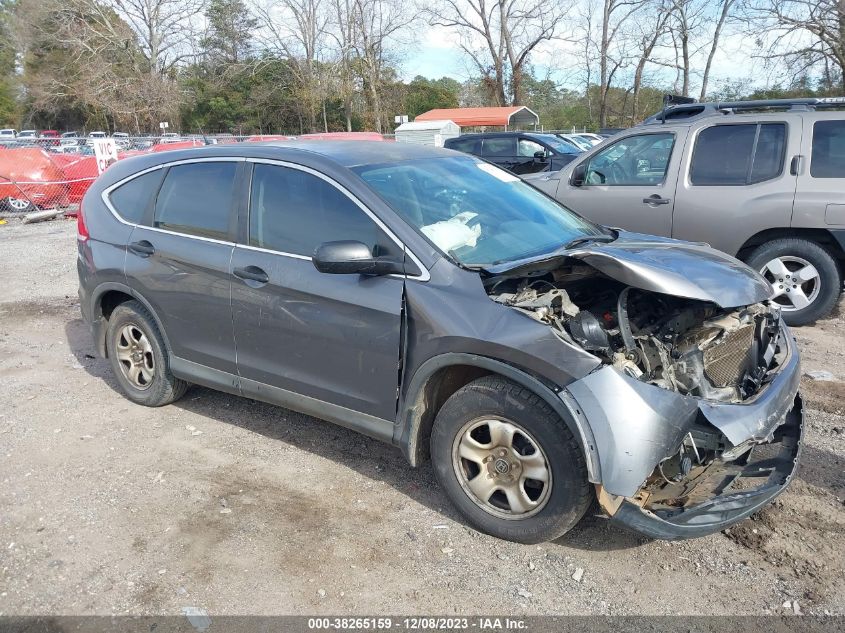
column 696, row 110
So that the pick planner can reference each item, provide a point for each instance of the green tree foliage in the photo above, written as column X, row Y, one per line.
column 428, row 94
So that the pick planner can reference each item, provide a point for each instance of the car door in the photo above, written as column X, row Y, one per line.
column 629, row 184
column 736, row 182
column 819, row 200
column 332, row 338
column 179, row 259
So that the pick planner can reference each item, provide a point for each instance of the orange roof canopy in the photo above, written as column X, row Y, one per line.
column 470, row 117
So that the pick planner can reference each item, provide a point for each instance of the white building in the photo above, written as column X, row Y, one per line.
column 427, row 132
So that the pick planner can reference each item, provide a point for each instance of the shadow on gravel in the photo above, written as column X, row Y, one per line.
column 379, row 461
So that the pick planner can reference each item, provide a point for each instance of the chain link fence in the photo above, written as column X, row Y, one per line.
column 53, row 174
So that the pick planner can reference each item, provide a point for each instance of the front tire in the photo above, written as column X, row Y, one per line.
column 509, row 464
column 805, row 276
column 139, row 359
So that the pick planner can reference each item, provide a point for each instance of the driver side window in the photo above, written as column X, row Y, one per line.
column 527, row 148
column 635, row 160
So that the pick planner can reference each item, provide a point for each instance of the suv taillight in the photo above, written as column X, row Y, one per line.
column 81, row 229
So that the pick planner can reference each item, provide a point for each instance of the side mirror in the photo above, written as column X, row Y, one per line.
column 350, row 258
column 579, row 175
column 540, row 156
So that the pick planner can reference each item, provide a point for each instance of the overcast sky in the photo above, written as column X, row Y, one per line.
column 436, row 55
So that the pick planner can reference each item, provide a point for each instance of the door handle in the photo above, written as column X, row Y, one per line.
column 795, row 165
column 655, row 199
column 142, row 248
column 251, row 273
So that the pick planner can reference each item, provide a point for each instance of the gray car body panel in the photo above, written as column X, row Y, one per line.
column 637, row 425
column 682, row 269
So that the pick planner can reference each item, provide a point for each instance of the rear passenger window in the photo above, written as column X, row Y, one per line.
column 738, row 154
column 197, row 199
column 292, row 211
column 504, row 147
column 132, row 198
column 469, row 145
column 828, row 159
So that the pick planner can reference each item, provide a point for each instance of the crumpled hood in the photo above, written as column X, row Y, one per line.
column 673, row 267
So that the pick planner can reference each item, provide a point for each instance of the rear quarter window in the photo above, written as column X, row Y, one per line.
column 133, row 198
column 828, row 158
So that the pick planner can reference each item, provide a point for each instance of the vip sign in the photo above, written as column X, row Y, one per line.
column 105, row 151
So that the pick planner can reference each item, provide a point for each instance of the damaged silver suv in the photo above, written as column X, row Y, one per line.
column 434, row 301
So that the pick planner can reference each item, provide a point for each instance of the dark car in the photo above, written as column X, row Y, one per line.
column 436, row 302
column 519, row 152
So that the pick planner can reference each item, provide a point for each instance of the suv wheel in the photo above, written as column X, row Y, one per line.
column 509, row 463
column 138, row 357
column 806, row 278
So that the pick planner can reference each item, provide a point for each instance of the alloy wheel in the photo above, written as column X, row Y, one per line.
column 796, row 281
column 502, row 468
column 18, row 204
column 135, row 355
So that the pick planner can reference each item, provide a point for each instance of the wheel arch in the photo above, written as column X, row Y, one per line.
column 105, row 299
column 833, row 241
column 441, row 376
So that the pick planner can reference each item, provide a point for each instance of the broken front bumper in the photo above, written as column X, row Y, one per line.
column 635, row 426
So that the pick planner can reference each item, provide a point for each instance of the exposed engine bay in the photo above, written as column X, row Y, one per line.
column 691, row 347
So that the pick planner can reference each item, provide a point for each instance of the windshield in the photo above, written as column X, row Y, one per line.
column 473, row 211
column 558, row 144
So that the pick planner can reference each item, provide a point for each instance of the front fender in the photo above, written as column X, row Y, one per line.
column 410, row 430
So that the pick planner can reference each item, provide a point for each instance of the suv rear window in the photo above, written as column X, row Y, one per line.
column 828, row 159
column 132, row 198
column 468, row 145
column 741, row 154
column 196, row 199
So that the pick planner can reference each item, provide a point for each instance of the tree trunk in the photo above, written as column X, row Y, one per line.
column 605, row 44
column 717, row 32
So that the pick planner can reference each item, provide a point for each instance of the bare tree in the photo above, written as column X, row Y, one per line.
column 652, row 29
column 166, row 29
column 612, row 56
column 806, row 34
column 724, row 14
column 342, row 31
column 80, row 52
column 296, row 31
column 499, row 36
column 378, row 25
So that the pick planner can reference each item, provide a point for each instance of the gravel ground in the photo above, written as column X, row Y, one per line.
column 239, row 507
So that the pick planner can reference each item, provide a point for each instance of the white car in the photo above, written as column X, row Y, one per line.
column 28, row 134
column 8, row 133
column 581, row 143
column 592, row 139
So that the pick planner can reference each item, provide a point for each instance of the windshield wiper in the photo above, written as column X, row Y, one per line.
column 585, row 239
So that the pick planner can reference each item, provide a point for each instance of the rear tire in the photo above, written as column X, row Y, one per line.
column 139, row 358
column 12, row 204
column 806, row 278
column 514, row 441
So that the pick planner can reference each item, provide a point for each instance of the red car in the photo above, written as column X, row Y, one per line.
column 29, row 180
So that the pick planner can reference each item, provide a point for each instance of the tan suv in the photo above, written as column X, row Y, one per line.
column 761, row 180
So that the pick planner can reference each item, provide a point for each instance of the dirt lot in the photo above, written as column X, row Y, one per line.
column 236, row 507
